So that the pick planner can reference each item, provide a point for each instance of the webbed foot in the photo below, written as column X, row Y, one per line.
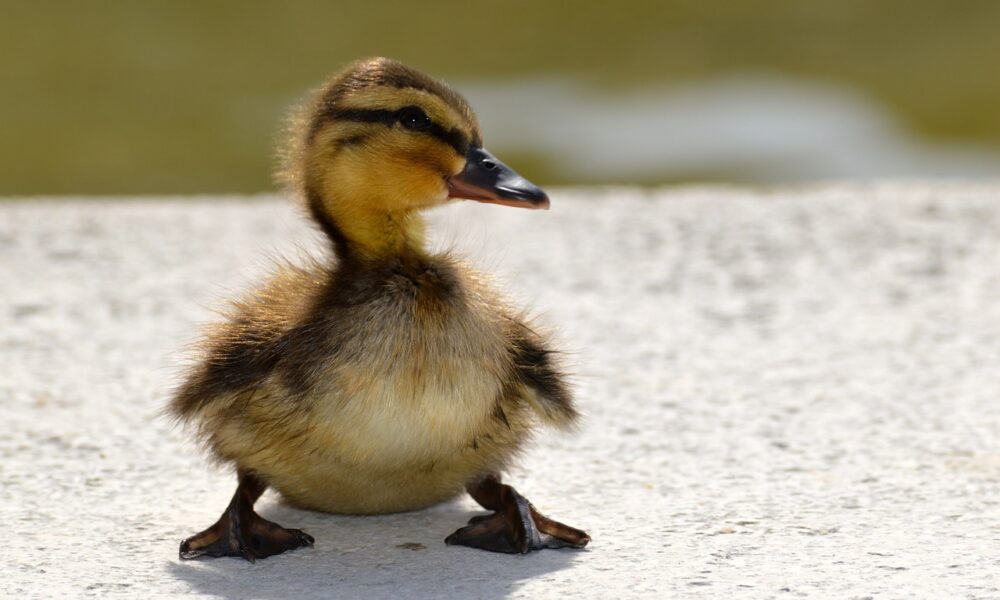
column 250, row 536
column 515, row 527
column 242, row 532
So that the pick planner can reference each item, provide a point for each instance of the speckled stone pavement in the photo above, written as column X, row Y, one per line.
column 791, row 393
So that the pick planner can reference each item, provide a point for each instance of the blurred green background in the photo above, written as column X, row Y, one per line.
column 189, row 97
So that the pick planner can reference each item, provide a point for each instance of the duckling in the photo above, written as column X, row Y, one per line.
column 387, row 378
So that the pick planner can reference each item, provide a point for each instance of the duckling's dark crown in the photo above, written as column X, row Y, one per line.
column 388, row 73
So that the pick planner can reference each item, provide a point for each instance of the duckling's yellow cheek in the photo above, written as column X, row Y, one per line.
column 408, row 185
column 413, row 170
column 379, row 184
column 348, row 177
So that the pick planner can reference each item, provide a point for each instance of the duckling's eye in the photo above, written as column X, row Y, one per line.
column 412, row 117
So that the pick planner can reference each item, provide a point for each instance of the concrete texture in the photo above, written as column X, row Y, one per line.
column 791, row 393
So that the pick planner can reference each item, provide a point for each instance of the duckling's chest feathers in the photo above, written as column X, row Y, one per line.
column 419, row 364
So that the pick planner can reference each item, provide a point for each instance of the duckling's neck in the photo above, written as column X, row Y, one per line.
column 374, row 236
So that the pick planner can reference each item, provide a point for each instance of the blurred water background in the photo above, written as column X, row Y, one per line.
column 121, row 97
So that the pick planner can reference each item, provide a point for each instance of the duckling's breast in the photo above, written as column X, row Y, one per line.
column 404, row 410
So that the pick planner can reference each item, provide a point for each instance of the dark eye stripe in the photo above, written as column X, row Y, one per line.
column 453, row 137
column 363, row 115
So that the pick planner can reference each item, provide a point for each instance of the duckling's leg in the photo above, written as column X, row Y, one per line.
column 242, row 532
column 515, row 527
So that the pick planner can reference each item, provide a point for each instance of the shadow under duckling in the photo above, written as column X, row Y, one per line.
column 391, row 378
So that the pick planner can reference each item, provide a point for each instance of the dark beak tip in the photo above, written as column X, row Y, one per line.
column 525, row 192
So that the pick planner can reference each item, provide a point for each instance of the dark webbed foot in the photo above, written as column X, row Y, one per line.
column 250, row 536
column 242, row 532
column 515, row 527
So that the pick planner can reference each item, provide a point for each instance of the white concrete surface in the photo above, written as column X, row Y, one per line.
column 789, row 394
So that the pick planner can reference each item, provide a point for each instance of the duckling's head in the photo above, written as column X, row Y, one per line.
column 382, row 141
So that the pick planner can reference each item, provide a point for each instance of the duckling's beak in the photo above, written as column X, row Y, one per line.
column 486, row 179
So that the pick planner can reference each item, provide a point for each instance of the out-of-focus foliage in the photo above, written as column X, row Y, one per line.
column 188, row 96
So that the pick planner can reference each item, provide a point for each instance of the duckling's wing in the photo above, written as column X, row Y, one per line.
column 268, row 326
column 537, row 370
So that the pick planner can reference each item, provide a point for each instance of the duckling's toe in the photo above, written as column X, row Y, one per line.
column 493, row 533
column 516, row 527
column 244, row 533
